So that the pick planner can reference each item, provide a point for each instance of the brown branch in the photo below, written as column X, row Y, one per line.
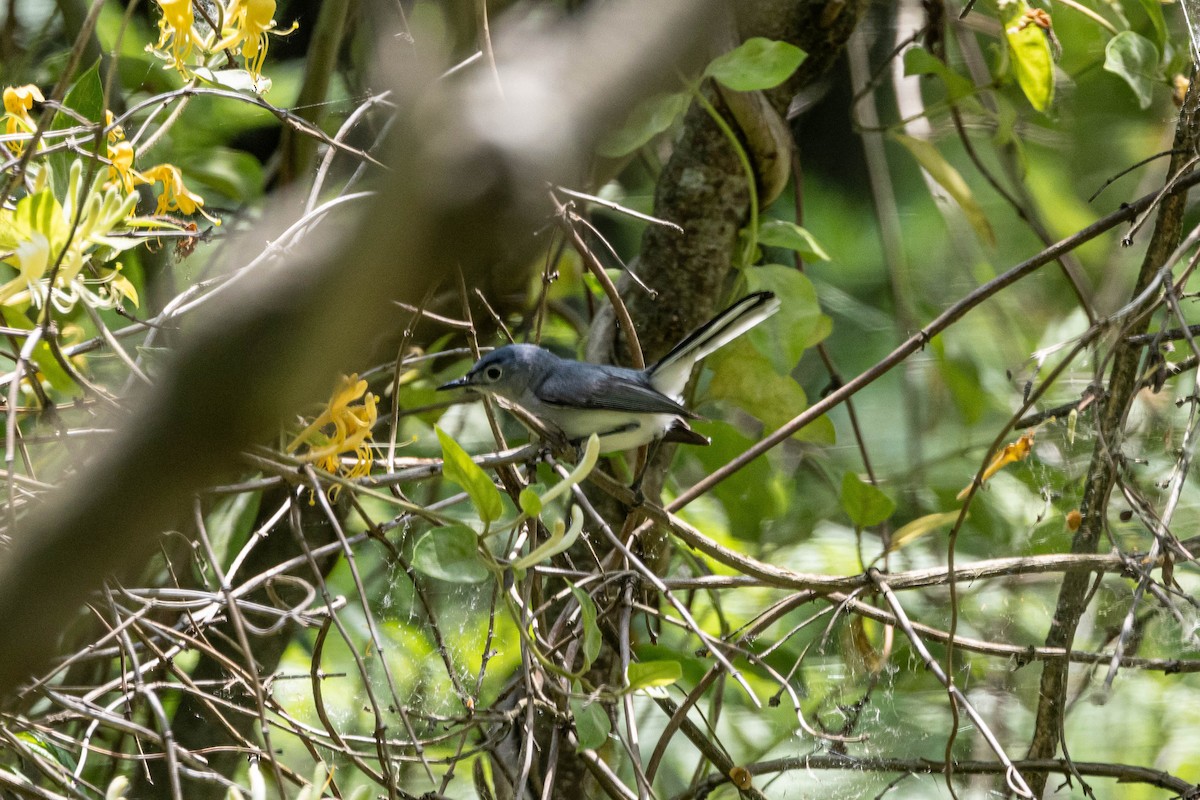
column 1122, row 386
column 1122, row 773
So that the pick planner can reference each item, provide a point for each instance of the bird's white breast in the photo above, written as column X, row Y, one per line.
column 618, row 430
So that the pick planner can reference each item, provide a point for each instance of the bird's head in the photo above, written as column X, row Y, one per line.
column 506, row 371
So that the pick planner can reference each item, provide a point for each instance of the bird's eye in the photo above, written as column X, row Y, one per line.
column 492, row 373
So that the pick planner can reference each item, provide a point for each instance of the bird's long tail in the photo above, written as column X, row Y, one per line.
column 670, row 374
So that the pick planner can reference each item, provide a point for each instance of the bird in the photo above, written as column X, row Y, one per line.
column 626, row 408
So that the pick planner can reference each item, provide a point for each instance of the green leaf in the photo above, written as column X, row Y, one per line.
column 1134, row 59
column 752, row 496
column 592, row 724
column 231, row 520
column 233, row 173
column 919, row 61
column 911, row 531
column 756, row 63
column 694, row 668
column 591, row 631
column 949, row 179
column 648, row 674
column 48, row 749
column 1153, row 9
column 86, row 99
column 530, row 502
column 865, row 504
column 450, row 554
column 1031, row 54
column 649, row 118
column 781, row 233
column 458, row 467
column 745, row 377
column 799, row 324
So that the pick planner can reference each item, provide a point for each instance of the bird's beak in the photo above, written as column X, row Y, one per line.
column 461, row 383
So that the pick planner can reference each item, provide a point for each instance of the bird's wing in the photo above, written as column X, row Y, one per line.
column 593, row 386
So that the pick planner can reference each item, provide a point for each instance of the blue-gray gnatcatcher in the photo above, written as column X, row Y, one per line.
column 626, row 408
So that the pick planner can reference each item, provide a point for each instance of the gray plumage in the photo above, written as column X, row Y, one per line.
column 625, row 407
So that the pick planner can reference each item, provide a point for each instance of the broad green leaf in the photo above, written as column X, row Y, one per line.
column 215, row 121
column 649, row 118
column 694, row 668
column 86, row 99
column 231, row 520
column 591, row 632
column 648, row 674
column 592, row 724
column 756, row 63
column 450, row 554
column 949, row 179
column 752, row 496
column 1134, row 59
column 48, row 749
column 744, row 376
column 911, row 531
column 781, row 233
column 1153, row 9
column 233, row 173
column 1030, row 53
column 458, row 467
column 919, row 61
column 865, row 504
column 797, row 326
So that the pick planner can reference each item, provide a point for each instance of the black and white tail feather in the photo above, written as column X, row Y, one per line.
column 670, row 373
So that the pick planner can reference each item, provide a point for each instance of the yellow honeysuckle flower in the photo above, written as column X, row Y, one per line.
column 83, row 230
column 120, row 171
column 177, row 38
column 351, row 414
column 247, row 24
column 175, row 195
column 115, row 132
column 18, row 101
column 1012, row 453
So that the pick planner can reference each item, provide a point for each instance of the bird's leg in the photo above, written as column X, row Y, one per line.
column 558, row 443
column 639, row 496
